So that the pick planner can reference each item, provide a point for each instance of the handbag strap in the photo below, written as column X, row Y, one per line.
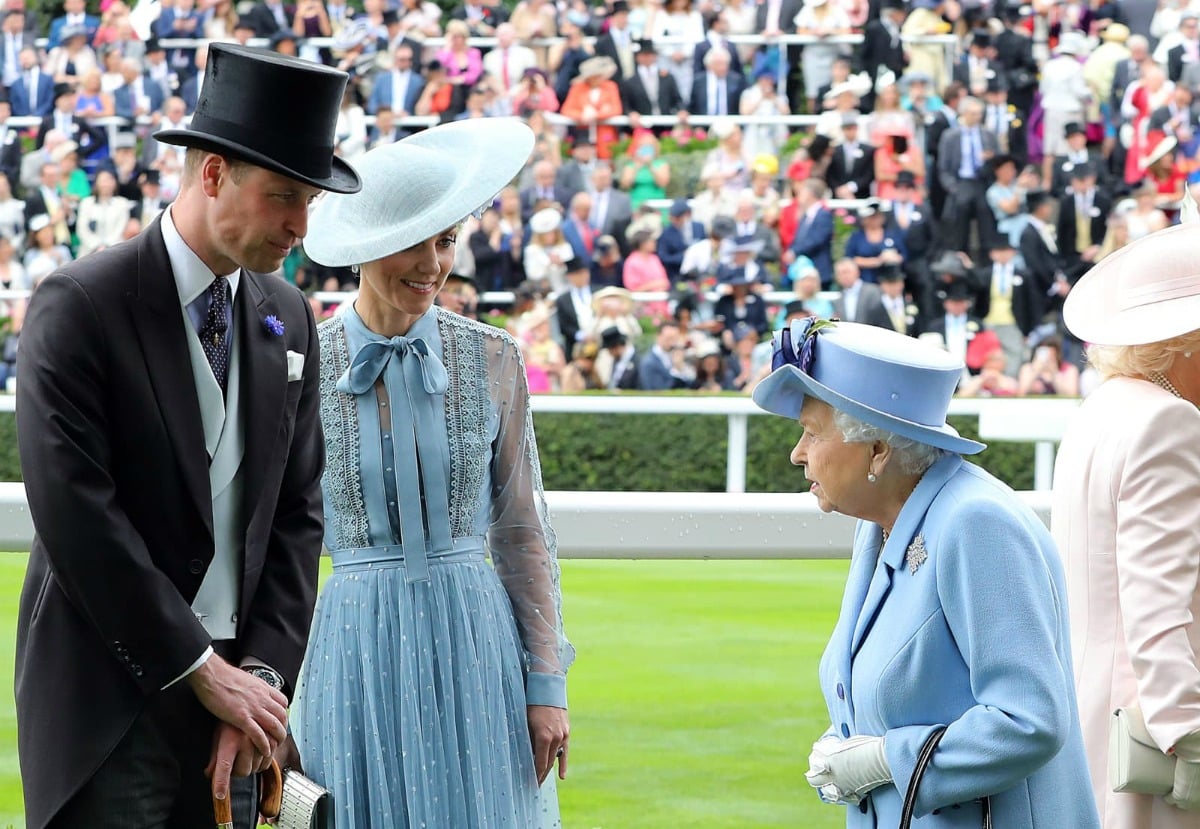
column 923, row 759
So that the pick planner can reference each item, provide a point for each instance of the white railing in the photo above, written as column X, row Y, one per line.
column 1042, row 421
column 642, row 525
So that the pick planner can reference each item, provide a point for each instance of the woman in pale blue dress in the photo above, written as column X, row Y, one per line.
column 434, row 689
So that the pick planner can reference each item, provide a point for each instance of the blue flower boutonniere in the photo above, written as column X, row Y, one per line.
column 273, row 325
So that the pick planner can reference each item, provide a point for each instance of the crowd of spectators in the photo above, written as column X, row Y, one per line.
column 952, row 188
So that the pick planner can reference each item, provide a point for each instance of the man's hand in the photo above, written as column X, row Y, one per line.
column 549, row 729
column 233, row 755
column 245, row 702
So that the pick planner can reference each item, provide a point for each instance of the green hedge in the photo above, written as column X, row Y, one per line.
column 662, row 453
column 686, row 453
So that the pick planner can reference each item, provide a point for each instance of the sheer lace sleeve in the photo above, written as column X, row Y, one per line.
column 523, row 545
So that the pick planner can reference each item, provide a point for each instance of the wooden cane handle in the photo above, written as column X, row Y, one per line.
column 223, row 812
column 270, row 797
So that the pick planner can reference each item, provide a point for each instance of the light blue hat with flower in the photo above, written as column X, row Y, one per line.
column 877, row 375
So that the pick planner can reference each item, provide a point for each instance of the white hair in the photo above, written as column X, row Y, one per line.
column 715, row 53
column 912, row 456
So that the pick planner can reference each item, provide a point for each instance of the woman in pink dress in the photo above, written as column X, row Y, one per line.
column 644, row 271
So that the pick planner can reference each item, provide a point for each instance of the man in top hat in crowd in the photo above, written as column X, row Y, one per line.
column 1082, row 222
column 901, row 316
column 1040, row 253
column 617, row 42
column 913, row 224
column 1002, row 301
column 90, row 139
column 852, row 166
column 1014, row 52
column 573, row 306
column 624, row 359
column 1005, row 120
column 882, row 50
column 679, row 234
column 955, row 325
column 150, row 204
column 1188, row 51
column 1178, row 116
column 173, row 473
column 1078, row 153
column 575, row 173
column 124, row 165
column 976, row 67
column 460, row 295
column 650, row 90
column 705, row 256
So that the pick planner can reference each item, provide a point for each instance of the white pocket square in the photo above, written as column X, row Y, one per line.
column 295, row 366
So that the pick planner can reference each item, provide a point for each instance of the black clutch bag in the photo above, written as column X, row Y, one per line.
column 910, row 798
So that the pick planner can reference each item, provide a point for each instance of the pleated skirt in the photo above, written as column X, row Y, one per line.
column 412, row 703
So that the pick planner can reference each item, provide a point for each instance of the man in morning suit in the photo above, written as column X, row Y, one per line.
column 717, row 90
column 650, row 90
column 814, row 230
column 173, row 474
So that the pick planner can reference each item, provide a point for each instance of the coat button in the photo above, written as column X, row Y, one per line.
column 841, row 691
column 845, row 730
column 137, row 670
column 196, row 566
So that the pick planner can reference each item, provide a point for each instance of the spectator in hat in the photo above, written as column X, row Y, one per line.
column 622, row 359
column 74, row 16
column 955, row 326
column 651, row 89
column 976, row 67
column 1040, row 253
column 839, row 73
column 739, row 303
column 1178, row 117
column 1166, row 174
column 763, row 98
column 852, row 167
column 882, row 49
column 903, row 316
column 124, row 165
column 819, row 18
column 680, row 22
column 1002, row 301
column 750, row 223
column 580, row 374
column 284, row 42
column 573, row 306
column 858, row 301
column 1005, row 119
column 992, row 379
column 1076, row 153
column 594, row 97
column 616, row 43
column 680, row 233
column 814, row 230
column 728, row 158
column 873, row 245
column 1006, row 196
column 91, row 141
column 243, row 30
column 1014, row 52
column 928, row 17
column 716, row 90
column 1065, row 97
column 574, row 174
column 151, row 203
column 71, row 58
column 713, row 371
column 1143, row 217
column 1082, row 221
column 963, row 152
column 547, row 253
column 44, row 254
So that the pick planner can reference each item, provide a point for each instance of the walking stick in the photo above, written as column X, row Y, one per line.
column 270, row 798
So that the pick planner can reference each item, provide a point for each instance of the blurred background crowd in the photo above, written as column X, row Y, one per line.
column 703, row 172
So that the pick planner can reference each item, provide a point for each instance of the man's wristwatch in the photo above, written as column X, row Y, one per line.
column 267, row 675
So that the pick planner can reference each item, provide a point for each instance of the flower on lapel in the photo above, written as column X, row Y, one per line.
column 273, row 325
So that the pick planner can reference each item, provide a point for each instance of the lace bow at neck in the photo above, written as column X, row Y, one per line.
column 373, row 358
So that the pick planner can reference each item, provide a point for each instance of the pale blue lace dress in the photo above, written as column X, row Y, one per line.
column 423, row 655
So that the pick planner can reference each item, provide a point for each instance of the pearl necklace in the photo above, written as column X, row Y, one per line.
column 1159, row 379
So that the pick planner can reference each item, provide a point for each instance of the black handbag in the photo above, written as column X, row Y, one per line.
column 923, row 758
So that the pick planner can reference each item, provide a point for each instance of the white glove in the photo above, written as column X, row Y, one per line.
column 842, row 771
column 1186, row 793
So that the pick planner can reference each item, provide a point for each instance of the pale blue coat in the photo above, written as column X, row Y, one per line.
column 977, row 639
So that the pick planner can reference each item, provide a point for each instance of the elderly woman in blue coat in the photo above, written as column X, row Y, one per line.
column 954, row 613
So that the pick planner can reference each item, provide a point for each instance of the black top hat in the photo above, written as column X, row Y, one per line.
column 611, row 337
column 576, row 264
column 893, row 4
column 619, row 6
column 61, row 89
column 149, row 177
column 245, row 87
column 644, row 47
column 1036, row 198
column 462, row 277
column 905, row 178
column 889, row 273
column 981, row 38
column 243, row 22
column 955, row 289
column 1074, row 128
column 3, row 95
column 1083, row 170
column 796, row 306
column 722, row 227
column 280, row 35
column 152, row 44
column 948, row 263
column 390, row 17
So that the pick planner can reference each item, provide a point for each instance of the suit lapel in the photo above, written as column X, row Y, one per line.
column 264, row 382
column 160, row 320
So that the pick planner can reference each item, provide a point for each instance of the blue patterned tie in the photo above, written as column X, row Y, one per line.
column 212, row 333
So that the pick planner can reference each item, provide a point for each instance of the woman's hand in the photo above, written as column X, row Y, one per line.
column 843, row 771
column 549, row 730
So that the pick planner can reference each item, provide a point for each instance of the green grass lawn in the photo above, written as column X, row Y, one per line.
column 694, row 698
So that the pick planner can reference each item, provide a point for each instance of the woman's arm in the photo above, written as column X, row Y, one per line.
column 661, row 171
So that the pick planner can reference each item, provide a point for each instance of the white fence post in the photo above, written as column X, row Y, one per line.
column 735, row 454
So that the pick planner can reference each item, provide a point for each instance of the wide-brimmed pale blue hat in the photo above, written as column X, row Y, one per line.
column 875, row 374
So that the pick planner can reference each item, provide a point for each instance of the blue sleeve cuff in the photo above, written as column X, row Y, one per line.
column 546, row 689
